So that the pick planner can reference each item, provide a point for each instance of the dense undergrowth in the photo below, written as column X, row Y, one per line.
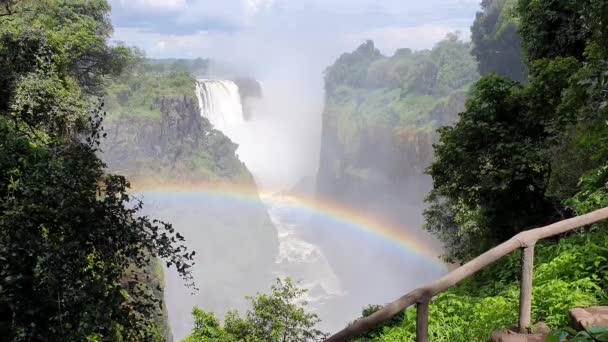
column 569, row 272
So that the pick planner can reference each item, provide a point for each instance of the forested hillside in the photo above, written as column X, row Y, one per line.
column 379, row 118
column 520, row 156
column 379, row 125
column 391, row 106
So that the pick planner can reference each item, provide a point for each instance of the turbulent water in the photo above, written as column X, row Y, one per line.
column 301, row 259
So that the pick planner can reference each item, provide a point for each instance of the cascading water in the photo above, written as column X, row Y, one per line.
column 220, row 102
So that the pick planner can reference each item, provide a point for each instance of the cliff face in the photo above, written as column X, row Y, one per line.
column 163, row 142
column 382, row 168
column 179, row 145
column 379, row 124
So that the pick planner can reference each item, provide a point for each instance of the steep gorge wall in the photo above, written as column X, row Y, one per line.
column 176, row 148
column 383, row 170
column 180, row 145
column 379, row 127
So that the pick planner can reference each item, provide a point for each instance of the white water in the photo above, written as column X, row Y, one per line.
column 220, row 103
column 301, row 259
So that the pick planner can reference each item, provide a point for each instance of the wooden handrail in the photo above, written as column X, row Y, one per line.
column 422, row 296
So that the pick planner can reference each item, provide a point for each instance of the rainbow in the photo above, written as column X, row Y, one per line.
column 324, row 209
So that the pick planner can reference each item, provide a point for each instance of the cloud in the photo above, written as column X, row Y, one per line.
column 188, row 16
column 286, row 44
column 389, row 39
column 150, row 5
column 161, row 45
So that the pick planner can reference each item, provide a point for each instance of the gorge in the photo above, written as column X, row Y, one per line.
column 195, row 165
column 325, row 158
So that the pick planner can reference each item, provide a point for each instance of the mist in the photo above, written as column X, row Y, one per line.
column 286, row 47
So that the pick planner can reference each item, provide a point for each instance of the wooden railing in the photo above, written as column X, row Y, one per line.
column 422, row 296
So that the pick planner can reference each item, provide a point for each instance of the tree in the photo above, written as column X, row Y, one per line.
column 492, row 171
column 502, row 168
column 351, row 68
column 276, row 317
column 496, row 40
column 556, row 28
column 77, row 31
column 75, row 250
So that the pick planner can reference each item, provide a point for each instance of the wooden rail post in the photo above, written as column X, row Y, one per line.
column 422, row 321
column 525, row 296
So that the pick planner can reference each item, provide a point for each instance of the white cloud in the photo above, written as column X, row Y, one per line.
column 152, row 5
column 389, row 39
column 165, row 45
column 254, row 7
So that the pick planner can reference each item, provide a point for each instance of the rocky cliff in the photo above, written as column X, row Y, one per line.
column 158, row 139
column 379, row 126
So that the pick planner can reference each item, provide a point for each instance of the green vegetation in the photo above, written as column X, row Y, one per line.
column 519, row 152
column 521, row 156
column 496, row 40
column 366, row 89
column 275, row 317
column 134, row 93
column 389, row 104
column 75, row 252
column 155, row 129
column 569, row 273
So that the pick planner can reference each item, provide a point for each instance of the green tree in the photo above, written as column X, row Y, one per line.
column 492, row 169
column 377, row 332
column 75, row 250
column 351, row 68
column 507, row 165
column 280, row 316
column 557, row 28
column 496, row 40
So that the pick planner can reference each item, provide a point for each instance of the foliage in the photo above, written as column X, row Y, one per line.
column 491, row 172
column 556, row 28
column 77, row 31
column 507, row 165
column 519, row 154
column 197, row 67
column 568, row 273
column 278, row 316
column 496, row 40
column 366, row 89
column 377, row 332
column 155, row 129
column 351, row 68
column 135, row 92
column 75, row 250
column 597, row 334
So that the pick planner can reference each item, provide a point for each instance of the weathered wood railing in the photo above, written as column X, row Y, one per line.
column 422, row 296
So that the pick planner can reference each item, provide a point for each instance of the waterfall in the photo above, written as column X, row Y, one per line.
column 220, row 102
